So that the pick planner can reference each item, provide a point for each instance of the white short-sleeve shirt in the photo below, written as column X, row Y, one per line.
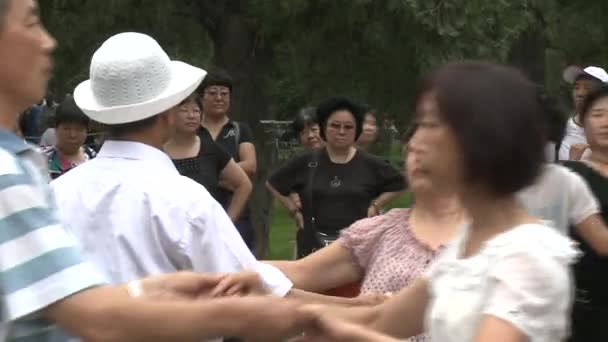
column 575, row 134
column 561, row 196
column 520, row 276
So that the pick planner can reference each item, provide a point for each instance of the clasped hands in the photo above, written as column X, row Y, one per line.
column 190, row 285
column 315, row 321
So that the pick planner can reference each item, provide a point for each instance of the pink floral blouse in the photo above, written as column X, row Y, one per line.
column 389, row 253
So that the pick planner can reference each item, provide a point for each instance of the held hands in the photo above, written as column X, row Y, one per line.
column 191, row 285
column 239, row 284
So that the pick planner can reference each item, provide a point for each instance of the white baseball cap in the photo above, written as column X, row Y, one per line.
column 573, row 72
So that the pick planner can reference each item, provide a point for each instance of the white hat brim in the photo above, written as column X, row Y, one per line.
column 184, row 81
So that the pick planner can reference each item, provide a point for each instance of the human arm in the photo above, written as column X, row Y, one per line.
column 390, row 184
column 248, row 161
column 288, row 202
column 212, row 244
column 327, row 268
column 381, row 201
column 584, row 213
column 241, row 186
column 334, row 329
column 400, row 316
column 108, row 314
column 594, row 231
column 246, row 149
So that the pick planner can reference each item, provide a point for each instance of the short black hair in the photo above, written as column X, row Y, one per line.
column 496, row 117
column 121, row 130
column 555, row 116
column 4, row 7
column 69, row 112
column 304, row 118
column 333, row 104
column 590, row 100
column 585, row 76
column 369, row 109
column 216, row 77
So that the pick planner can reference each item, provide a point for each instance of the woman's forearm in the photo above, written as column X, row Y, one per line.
column 286, row 201
column 315, row 298
column 239, row 200
column 386, row 198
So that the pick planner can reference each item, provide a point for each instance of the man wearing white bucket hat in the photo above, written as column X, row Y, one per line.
column 132, row 193
column 43, row 278
column 583, row 82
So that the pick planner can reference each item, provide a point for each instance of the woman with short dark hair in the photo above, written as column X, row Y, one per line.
column 198, row 157
column 338, row 184
column 480, row 132
column 69, row 150
column 591, row 302
column 306, row 129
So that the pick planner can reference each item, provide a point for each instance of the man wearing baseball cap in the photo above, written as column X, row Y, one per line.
column 583, row 82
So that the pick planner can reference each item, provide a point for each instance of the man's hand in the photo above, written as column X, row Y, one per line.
column 180, row 285
column 241, row 283
column 275, row 319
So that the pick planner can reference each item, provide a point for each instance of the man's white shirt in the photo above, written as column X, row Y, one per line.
column 135, row 215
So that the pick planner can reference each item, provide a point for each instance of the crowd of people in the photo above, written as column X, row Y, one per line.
column 149, row 237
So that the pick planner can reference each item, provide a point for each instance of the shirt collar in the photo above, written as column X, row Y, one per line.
column 135, row 151
column 13, row 143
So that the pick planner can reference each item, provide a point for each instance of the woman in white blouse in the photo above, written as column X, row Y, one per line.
column 506, row 277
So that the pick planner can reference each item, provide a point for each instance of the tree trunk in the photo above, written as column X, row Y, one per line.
column 238, row 51
column 528, row 53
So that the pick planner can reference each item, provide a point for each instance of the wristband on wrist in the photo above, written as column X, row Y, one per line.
column 135, row 289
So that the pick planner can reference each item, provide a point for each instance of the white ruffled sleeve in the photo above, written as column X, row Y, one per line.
column 532, row 288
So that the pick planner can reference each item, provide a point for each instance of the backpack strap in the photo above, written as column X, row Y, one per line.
column 313, row 165
column 237, row 139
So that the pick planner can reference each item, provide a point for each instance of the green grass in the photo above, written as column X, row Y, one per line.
column 282, row 230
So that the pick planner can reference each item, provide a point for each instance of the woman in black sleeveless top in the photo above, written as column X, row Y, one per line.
column 590, row 310
column 201, row 159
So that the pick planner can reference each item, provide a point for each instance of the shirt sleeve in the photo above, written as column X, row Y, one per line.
column 532, row 291
column 39, row 261
column 581, row 201
column 288, row 176
column 363, row 236
column 388, row 177
column 216, row 246
column 246, row 134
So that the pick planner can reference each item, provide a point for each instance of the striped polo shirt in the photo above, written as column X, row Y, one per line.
column 39, row 261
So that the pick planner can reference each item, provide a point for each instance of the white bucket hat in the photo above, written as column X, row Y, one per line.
column 132, row 78
column 573, row 72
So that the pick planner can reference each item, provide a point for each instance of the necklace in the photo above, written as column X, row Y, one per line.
column 349, row 156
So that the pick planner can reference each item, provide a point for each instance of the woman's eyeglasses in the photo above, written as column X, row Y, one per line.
column 337, row 126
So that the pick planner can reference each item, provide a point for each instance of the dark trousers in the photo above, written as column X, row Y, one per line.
column 306, row 243
column 245, row 228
